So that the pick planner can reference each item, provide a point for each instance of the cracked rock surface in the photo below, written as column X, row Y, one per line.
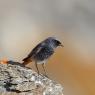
column 18, row 80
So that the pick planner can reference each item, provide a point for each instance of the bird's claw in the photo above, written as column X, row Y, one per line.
column 46, row 76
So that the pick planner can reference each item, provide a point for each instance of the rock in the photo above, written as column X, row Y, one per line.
column 16, row 79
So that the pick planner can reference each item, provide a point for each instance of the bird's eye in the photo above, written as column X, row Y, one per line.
column 57, row 42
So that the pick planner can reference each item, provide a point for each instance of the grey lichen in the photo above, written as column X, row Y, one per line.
column 14, row 78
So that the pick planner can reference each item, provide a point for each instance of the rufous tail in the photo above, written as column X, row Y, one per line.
column 26, row 61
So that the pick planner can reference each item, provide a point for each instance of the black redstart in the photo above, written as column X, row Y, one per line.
column 42, row 52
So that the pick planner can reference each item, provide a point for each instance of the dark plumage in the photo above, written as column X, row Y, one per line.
column 42, row 52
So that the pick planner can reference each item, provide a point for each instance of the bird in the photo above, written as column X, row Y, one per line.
column 42, row 52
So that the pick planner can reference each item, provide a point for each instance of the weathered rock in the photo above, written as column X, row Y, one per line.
column 18, row 80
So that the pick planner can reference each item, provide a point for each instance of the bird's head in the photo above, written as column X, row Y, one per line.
column 54, row 42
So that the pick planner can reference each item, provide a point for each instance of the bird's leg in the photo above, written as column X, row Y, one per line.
column 37, row 68
column 43, row 66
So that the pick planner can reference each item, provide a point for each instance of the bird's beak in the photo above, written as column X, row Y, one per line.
column 61, row 45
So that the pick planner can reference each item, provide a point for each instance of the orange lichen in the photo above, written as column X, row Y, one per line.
column 4, row 61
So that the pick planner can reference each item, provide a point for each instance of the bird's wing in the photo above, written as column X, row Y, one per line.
column 36, row 50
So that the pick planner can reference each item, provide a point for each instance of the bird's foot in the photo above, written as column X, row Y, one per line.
column 46, row 76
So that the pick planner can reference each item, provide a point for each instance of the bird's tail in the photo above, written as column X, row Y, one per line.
column 26, row 61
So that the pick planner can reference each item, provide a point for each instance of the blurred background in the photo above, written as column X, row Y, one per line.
column 24, row 23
